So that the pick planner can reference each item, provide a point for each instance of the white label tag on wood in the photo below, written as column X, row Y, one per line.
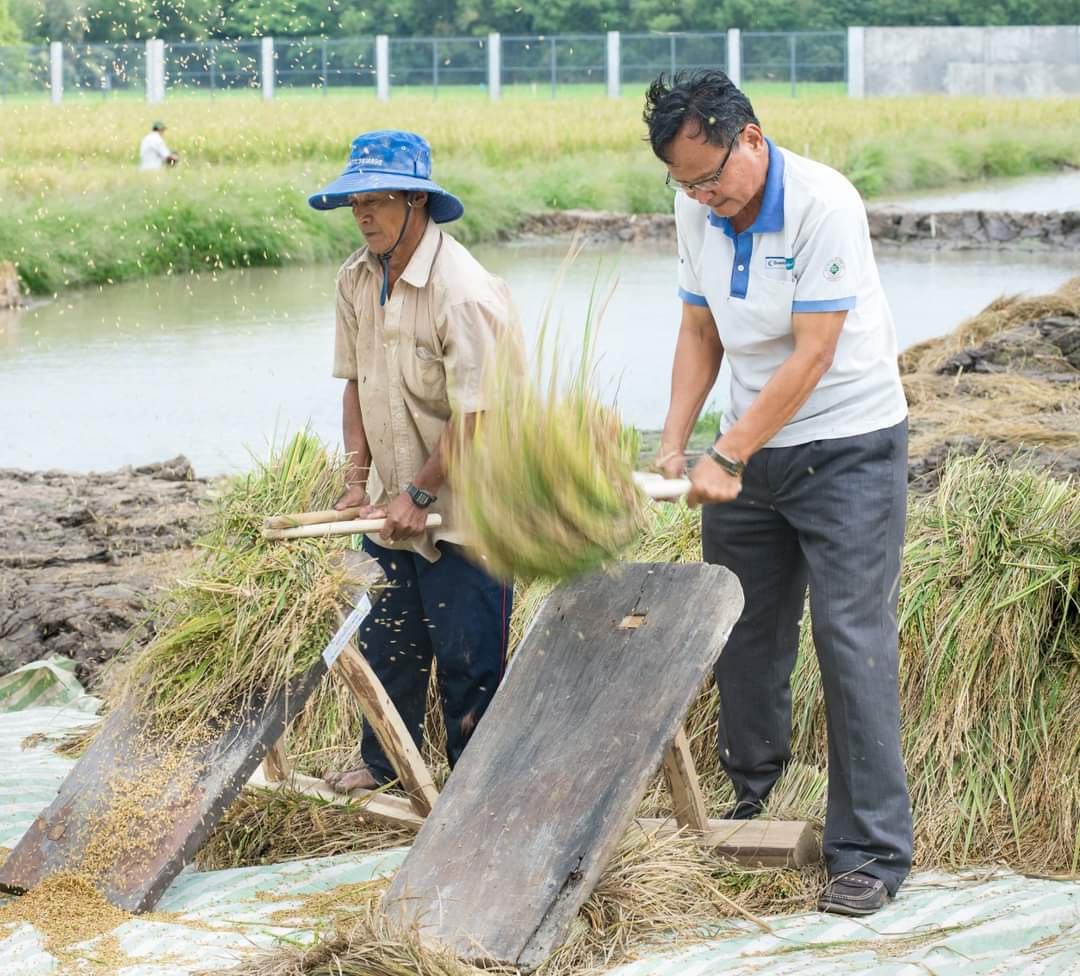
column 346, row 631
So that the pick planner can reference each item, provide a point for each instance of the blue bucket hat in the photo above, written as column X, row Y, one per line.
column 389, row 159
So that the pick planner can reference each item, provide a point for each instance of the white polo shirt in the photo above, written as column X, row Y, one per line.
column 808, row 251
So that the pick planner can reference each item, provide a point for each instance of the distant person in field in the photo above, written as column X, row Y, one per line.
column 418, row 321
column 806, row 484
column 153, row 153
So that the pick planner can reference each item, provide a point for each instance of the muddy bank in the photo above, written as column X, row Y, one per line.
column 81, row 553
column 957, row 230
column 1006, row 381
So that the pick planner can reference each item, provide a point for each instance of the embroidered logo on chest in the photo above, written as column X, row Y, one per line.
column 834, row 269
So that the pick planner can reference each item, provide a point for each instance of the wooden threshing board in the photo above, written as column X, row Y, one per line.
column 554, row 774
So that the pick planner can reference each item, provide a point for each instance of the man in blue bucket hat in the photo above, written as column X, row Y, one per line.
column 418, row 320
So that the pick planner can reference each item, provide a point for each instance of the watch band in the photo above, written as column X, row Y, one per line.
column 421, row 498
column 732, row 467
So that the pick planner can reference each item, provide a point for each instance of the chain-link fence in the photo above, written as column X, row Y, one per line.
column 104, row 69
column 212, row 66
column 24, row 70
column 644, row 56
column 781, row 62
column 540, row 65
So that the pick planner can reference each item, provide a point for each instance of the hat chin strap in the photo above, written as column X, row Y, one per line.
column 384, row 257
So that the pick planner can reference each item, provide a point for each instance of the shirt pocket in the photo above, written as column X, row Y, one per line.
column 424, row 373
column 768, row 305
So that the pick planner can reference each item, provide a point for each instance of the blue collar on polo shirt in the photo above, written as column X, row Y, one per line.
column 770, row 219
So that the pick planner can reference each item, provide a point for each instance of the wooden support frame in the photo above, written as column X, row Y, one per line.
column 386, row 723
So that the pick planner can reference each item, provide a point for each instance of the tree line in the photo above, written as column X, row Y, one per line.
column 36, row 21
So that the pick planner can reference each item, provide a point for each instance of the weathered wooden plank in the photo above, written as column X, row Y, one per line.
column 395, row 811
column 755, row 843
column 682, row 780
column 167, row 814
column 551, row 779
column 383, row 719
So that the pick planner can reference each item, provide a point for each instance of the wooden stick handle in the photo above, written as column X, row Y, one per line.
column 310, row 518
column 659, row 488
column 337, row 528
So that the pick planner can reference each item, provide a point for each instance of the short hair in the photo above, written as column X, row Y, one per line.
column 708, row 98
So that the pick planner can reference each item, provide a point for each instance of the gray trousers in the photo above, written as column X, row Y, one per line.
column 829, row 513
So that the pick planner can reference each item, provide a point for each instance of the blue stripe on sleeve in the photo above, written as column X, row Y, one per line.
column 691, row 299
column 825, row 305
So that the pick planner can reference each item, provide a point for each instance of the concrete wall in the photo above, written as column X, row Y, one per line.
column 1010, row 61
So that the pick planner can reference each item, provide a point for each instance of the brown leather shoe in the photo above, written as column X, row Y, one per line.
column 854, row 893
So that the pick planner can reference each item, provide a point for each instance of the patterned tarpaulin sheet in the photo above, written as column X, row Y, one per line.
column 945, row 925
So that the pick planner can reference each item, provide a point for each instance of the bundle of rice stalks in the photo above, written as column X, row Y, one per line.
column 252, row 614
column 544, row 485
column 991, row 666
column 990, row 669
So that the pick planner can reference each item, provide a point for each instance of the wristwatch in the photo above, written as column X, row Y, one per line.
column 733, row 468
column 421, row 498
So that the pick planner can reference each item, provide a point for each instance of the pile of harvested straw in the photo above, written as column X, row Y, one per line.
column 251, row 615
column 1026, row 394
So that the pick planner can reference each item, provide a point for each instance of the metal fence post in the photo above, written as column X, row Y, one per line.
column 435, row 67
column 266, row 68
column 56, row 72
column 554, row 67
column 614, row 64
column 325, row 72
column 155, row 71
column 671, row 52
column 791, row 59
column 495, row 66
column 856, row 64
column 734, row 56
column 382, row 67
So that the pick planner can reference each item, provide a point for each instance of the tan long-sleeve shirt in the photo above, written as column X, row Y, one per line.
column 418, row 360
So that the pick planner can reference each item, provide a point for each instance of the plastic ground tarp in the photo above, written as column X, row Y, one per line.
column 979, row 923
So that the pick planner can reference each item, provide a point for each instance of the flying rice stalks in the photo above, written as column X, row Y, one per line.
column 544, row 484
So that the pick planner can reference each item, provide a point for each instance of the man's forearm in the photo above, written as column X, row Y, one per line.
column 779, row 401
column 354, row 435
column 816, row 335
column 698, row 354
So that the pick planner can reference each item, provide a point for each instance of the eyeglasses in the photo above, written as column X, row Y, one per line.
column 710, row 182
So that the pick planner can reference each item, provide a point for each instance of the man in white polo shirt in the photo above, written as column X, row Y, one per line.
column 807, row 481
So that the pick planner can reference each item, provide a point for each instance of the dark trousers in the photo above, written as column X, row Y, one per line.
column 449, row 610
column 829, row 513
